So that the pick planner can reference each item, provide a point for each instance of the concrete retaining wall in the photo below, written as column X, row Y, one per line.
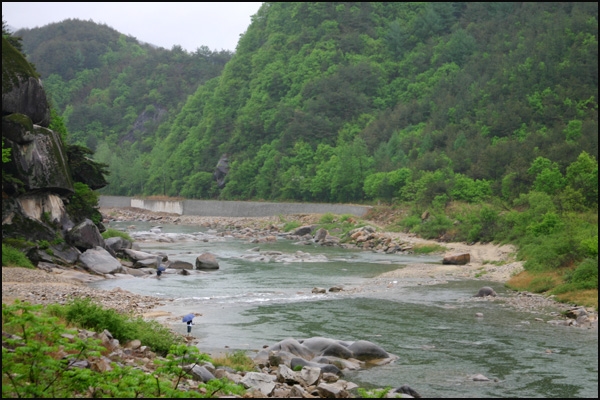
column 173, row 207
column 214, row 208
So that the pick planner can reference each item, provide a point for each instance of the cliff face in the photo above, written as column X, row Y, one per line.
column 37, row 179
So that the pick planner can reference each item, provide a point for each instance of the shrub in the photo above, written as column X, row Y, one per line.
column 110, row 232
column 586, row 274
column 428, row 248
column 14, row 258
column 434, row 227
column 291, row 225
column 542, row 284
column 237, row 360
column 327, row 218
column 84, row 203
column 123, row 327
column 411, row 222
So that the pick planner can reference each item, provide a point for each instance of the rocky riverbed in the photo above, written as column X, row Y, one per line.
column 487, row 262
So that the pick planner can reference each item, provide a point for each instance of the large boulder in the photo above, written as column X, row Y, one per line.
column 457, row 259
column 117, row 244
column 264, row 383
column 99, row 261
column 486, row 291
column 303, row 230
column 207, row 261
column 38, row 158
column 22, row 90
column 177, row 264
column 367, row 351
column 85, row 236
column 136, row 255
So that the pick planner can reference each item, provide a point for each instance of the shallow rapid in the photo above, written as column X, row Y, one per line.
column 430, row 325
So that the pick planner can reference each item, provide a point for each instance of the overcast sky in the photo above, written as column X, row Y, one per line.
column 190, row 25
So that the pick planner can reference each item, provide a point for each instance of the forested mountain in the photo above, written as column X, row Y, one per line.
column 335, row 101
column 110, row 88
column 321, row 99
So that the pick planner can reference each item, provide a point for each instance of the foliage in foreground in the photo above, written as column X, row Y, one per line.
column 38, row 358
column 85, row 313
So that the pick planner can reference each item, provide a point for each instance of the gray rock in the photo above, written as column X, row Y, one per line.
column 320, row 235
column 310, row 375
column 287, row 375
column 265, row 383
column 366, row 351
column 480, row 378
column 303, row 230
column 117, row 243
column 200, row 373
column 317, row 344
column 405, row 390
column 221, row 171
column 42, row 163
column 137, row 255
column 330, row 368
column 85, row 235
column 486, row 291
column 207, row 261
column 337, row 350
column 331, row 390
column 99, row 261
column 29, row 98
column 135, row 271
column 177, row 264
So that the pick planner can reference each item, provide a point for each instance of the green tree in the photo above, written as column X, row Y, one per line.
column 582, row 176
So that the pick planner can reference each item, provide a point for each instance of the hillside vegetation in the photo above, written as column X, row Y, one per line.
column 483, row 115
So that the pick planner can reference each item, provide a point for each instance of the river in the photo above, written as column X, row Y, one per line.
column 430, row 325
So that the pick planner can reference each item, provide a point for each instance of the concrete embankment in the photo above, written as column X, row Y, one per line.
column 215, row 208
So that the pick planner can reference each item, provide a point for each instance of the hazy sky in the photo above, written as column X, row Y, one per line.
column 190, row 25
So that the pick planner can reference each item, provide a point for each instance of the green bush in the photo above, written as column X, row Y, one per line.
column 110, row 232
column 84, row 203
column 123, row 327
column 291, row 225
column 346, row 217
column 14, row 258
column 411, row 222
column 434, row 227
column 327, row 218
column 542, row 284
column 428, row 249
column 586, row 274
column 547, row 253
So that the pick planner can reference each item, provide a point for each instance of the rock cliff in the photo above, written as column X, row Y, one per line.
column 40, row 174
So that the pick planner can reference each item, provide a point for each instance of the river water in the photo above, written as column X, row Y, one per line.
column 430, row 326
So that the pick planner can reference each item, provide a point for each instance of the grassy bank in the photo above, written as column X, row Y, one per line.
column 559, row 248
